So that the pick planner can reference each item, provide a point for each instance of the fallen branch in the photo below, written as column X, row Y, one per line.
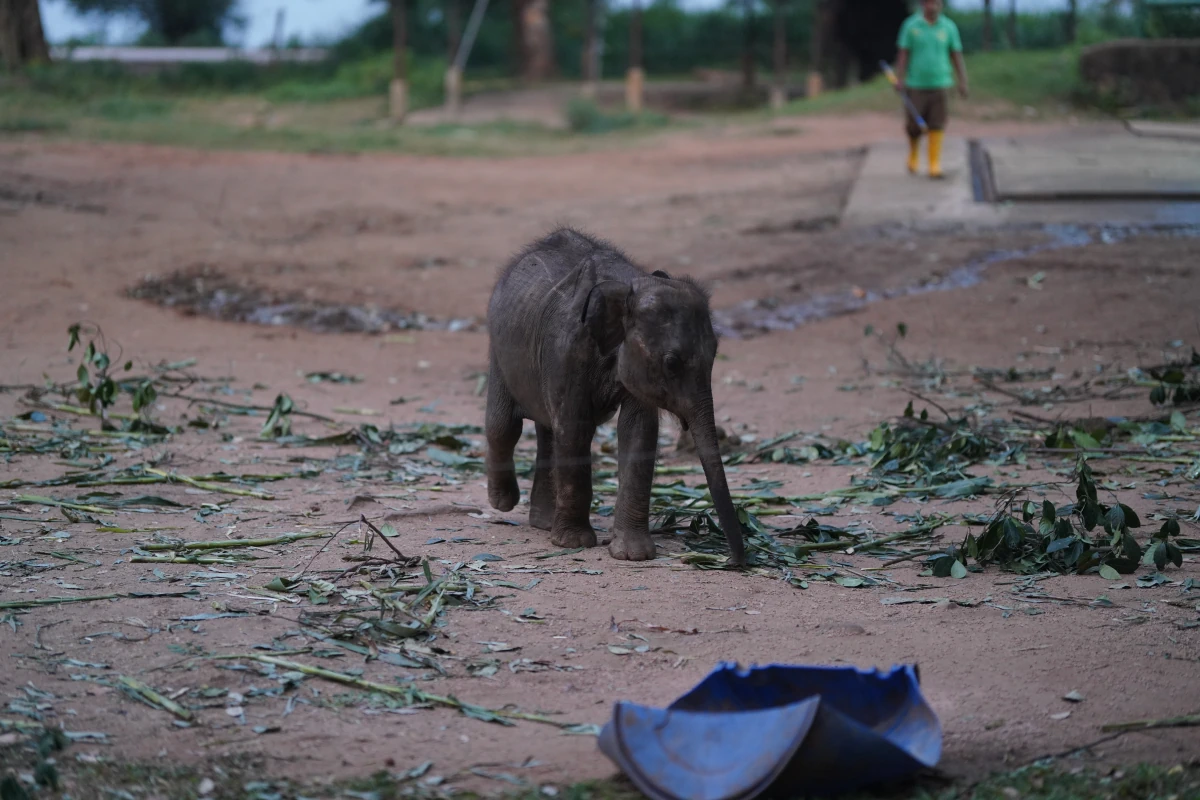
column 207, row 486
column 400, row 556
column 410, row 693
column 222, row 545
column 147, row 695
column 56, row 601
column 1188, row 721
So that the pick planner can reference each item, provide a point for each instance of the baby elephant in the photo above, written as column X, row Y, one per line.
column 576, row 332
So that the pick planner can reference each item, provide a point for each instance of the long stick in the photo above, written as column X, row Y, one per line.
column 894, row 81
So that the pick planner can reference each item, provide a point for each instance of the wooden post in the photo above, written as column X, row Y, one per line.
column 399, row 88
column 815, row 83
column 635, row 77
column 779, row 89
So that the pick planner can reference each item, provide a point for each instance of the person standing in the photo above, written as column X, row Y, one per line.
column 929, row 46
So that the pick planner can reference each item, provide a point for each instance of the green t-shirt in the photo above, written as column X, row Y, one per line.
column 929, row 48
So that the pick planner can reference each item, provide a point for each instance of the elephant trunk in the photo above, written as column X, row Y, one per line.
column 704, row 433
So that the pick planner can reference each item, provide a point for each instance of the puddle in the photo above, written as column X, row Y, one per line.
column 208, row 292
column 754, row 317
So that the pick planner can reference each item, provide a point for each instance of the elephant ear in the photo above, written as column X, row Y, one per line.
column 605, row 313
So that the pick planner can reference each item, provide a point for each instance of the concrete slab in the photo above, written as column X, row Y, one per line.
column 1095, row 167
column 885, row 194
column 1171, row 130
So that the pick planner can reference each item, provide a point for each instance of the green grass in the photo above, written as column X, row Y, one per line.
column 1002, row 83
column 341, row 108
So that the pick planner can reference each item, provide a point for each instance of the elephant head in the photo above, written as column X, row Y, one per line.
column 661, row 329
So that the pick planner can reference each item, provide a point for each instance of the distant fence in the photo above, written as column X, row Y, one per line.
column 167, row 56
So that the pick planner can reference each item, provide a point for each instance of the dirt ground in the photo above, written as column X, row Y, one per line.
column 755, row 216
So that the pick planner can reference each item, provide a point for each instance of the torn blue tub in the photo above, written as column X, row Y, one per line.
column 778, row 730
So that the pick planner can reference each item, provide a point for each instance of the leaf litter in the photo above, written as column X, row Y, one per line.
column 392, row 608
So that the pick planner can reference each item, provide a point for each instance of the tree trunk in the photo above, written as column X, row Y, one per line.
column 1012, row 24
column 22, row 40
column 817, row 49
column 987, row 25
column 399, row 86
column 748, row 45
column 635, row 36
column 453, row 29
column 588, row 67
column 779, row 90
column 1072, row 16
column 536, row 40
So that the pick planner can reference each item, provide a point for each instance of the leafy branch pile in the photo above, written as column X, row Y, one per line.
column 1082, row 537
column 1177, row 383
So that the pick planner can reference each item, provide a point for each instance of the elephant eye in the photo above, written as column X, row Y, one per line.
column 672, row 363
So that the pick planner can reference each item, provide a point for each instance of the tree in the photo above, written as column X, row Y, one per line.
column 22, row 40
column 533, row 39
column 173, row 22
column 987, row 24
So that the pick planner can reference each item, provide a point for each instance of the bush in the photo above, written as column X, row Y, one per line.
column 584, row 116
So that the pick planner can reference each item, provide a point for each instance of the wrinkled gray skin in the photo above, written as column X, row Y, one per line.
column 577, row 332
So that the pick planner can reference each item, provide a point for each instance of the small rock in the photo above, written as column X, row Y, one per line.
column 207, row 786
column 1073, row 697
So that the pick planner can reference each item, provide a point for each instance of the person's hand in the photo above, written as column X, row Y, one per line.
column 963, row 91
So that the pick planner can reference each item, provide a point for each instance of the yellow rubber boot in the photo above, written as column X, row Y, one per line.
column 935, row 154
column 914, row 154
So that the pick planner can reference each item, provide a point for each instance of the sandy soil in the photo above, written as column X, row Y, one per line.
column 82, row 224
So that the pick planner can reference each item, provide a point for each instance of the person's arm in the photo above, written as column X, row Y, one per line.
column 902, row 47
column 901, row 68
column 960, row 65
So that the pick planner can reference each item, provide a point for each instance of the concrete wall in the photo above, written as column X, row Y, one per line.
column 1146, row 72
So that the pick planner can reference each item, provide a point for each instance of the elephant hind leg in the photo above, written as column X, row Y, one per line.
column 542, row 498
column 502, row 427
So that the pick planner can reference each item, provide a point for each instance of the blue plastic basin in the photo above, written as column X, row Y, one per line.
column 779, row 729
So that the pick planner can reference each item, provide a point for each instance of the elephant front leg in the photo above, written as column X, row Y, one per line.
column 541, row 497
column 502, row 425
column 572, row 483
column 637, row 449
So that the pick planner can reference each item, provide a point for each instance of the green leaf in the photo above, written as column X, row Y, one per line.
column 849, row 582
column 1084, row 440
column 73, row 332
column 1048, row 512
column 1160, row 556
column 957, row 570
column 1174, row 554
column 1109, row 574
column 1179, row 422
column 902, row 329
column 1169, row 528
column 1116, row 518
column 1131, row 519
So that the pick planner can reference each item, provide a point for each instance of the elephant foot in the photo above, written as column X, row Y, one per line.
column 541, row 517
column 503, row 492
column 574, row 537
column 632, row 547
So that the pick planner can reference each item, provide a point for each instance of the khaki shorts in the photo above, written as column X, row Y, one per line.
column 932, row 105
